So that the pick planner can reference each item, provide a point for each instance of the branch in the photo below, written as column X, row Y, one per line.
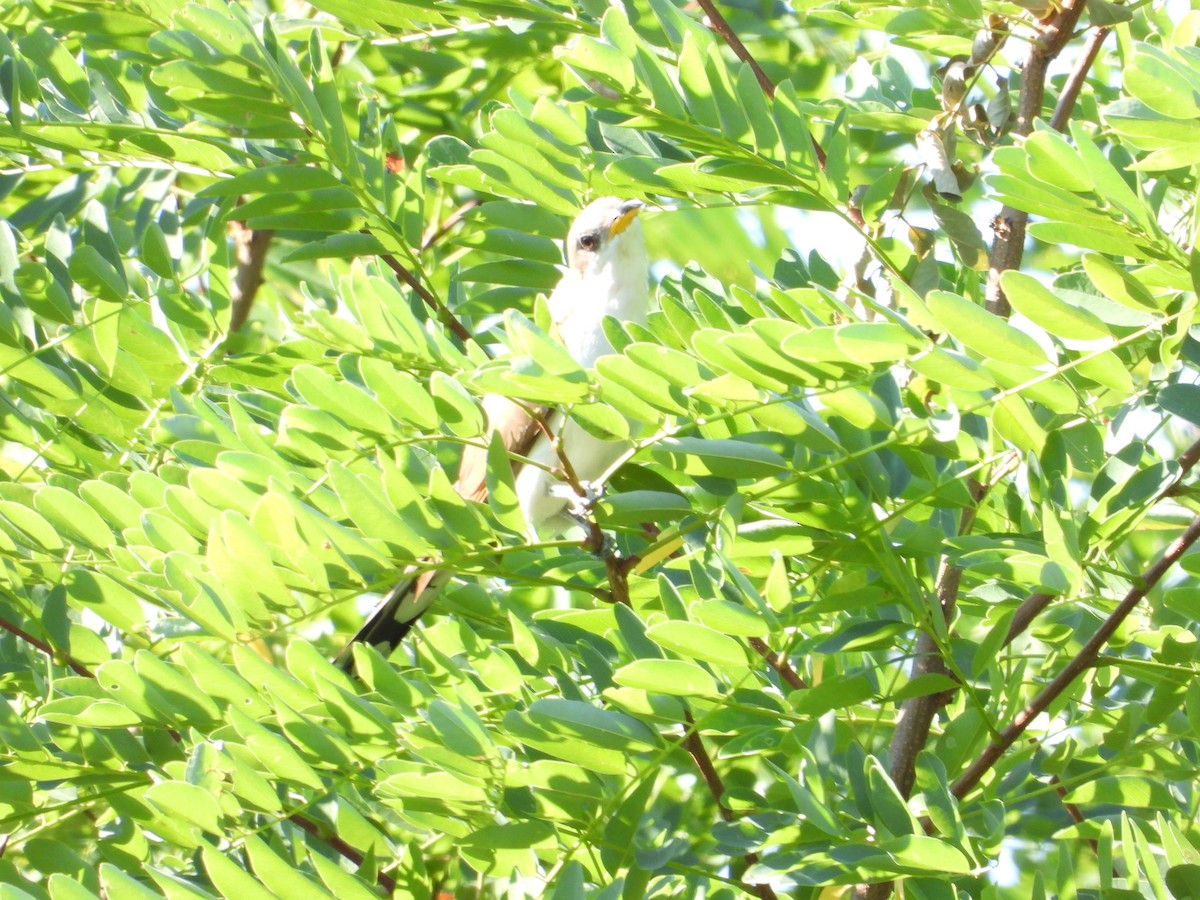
column 1074, row 84
column 250, row 253
column 77, row 667
column 443, row 313
column 779, row 663
column 385, row 881
column 1084, row 659
column 916, row 715
column 1009, row 244
column 435, row 233
column 695, row 747
column 1031, row 607
column 717, row 22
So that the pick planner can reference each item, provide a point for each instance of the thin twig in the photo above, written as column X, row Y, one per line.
column 435, row 233
column 779, row 663
column 77, row 667
column 385, row 881
column 693, row 744
column 1008, row 246
column 440, row 309
column 1082, row 660
column 717, row 22
column 695, row 748
column 917, row 713
column 1033, row 605
column 250, row 254
column 1076, row 80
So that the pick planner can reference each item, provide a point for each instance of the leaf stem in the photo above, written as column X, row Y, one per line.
column 1082, row 661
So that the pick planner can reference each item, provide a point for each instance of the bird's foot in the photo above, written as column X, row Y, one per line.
column 579, row 506
column 579, row 511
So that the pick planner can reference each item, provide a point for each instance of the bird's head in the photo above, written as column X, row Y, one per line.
column 606, row 231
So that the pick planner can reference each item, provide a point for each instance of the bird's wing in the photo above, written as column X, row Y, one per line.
column 517, row 429
column 396, row 615
column 399, row 611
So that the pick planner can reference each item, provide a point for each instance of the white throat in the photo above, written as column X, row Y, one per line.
column 615, row 284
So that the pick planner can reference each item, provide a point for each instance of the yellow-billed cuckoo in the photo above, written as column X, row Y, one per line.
column 606, row 276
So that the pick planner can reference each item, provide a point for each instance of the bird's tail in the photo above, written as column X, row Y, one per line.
column 396, row 615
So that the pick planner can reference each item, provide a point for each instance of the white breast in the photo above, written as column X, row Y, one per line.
column 615, row 285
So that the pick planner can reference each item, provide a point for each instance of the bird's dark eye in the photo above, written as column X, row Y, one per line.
column 589, row 241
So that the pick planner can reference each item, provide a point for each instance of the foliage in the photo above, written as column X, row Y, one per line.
column 841, row 459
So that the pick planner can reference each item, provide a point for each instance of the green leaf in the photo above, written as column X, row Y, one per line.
column 107, row 597
column 580, row 721
column 917, row 853
column 698, row 642
column 96, row 275
column 590, row 756
column 285, row 179
column 1165, row 84
column 187, row 802
column 275, row 754
column 281, row 874
column 338, row 246
column 1183, row 881
column 86, row 712
column 63, row 887
column 636, row 507
column 117, row 885
column 1181, row 400
column 230, row 879
column 53, row 61
column 666, row 676
column 366, row 505
column 725, row 458
column 872, row 342
column 1117, row 284
column 1041, row 306
column 730, row 618
column 1015, row 423
column 985, row 333
column 892, row 814
column 456, row 410
column 73, row 518
column 1130, row 790
column 356, row 408
column 1054, row 161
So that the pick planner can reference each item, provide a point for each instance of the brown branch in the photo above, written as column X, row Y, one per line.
column 916, row 715
column 717, row 22
column 1075, row 81
column 385, row 881
column 1008, row 246
column 435, row 233
column 779, row 663
column 1072, row 810
column 443, row 313
column 77, row 667
column 695, row 747
column 1082, row 660
column 250, row 254
column 1031, row 607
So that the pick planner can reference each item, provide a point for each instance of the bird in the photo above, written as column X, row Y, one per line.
column 607, row 274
